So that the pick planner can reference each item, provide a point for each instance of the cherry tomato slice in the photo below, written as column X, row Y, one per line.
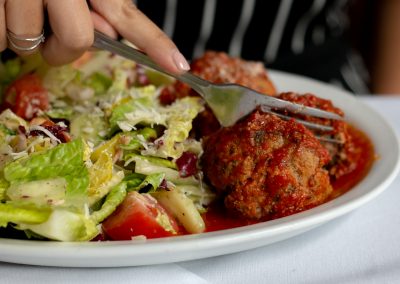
column 26, row 97
column 139, row 214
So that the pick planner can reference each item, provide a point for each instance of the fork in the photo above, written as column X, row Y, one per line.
column 229, row 102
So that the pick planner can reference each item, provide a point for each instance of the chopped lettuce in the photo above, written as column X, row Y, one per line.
column 179, row 123
column 132, row 157
column 88, row 126
column 107, row 146
column 64, row 225
column 151, row 183
column 127, row 115
column 99, row 82
column 120, row 80
column 146, row 167
column 177, row 119
column 133, row 180
column 40, row 192
column 65, row 112
column 9, row 213
column 139, row 139
column 95, row 194
column 3, row 187
column 65, row 160
column 140, row 107
column 113, row 199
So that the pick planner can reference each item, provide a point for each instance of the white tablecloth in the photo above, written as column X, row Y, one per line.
column 361, row 247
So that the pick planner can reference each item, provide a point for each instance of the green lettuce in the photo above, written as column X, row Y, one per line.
column 88, row 126
column 3, row 187
column 179, row 123
column 139, row 108
column 99, row 82
column 39, row 192
column 63, row 161
column 113, row 199
column 151, row 183
column 9, row 213
column 146, row 167
column 154, row 160
column 137, row 138
column 64, row 225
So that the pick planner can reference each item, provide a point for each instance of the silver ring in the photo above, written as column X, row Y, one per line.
column 13, row 38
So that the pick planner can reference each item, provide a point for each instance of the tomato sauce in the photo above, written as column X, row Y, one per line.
column 217, row 218
column 365, row 157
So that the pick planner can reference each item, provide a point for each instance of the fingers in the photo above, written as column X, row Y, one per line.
column 24, row 19
column 3, row 35
column 138, row 29
column 72, row 28
column 103, row 26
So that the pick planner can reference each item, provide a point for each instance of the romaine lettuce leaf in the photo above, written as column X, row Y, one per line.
column 3, row 187
column 113, row 199
column 139, row 139
column 39, row 192
column 151, row 183
column 97, row 193
column 98, row 82
column 141, row 106
column 64, row 160
column 131, row 157
column 120, row 79
column 9, row 213
column 88, row 126
column 64, row 225
column 179, row 123
column 146, row 167
column 133, row 180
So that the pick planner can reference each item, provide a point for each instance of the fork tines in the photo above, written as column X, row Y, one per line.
column 309, row 125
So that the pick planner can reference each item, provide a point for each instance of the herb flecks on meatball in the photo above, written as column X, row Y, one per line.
column 267, row 167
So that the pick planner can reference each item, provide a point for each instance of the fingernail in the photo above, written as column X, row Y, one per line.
column 180, row 61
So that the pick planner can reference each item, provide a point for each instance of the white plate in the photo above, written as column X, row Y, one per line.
column 131, row 253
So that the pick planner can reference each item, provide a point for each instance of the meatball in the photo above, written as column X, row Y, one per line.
column 266, row 167
column 343, row 160
column 218, row 67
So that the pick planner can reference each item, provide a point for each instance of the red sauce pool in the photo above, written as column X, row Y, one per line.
column 217, row 218
column 365, row 157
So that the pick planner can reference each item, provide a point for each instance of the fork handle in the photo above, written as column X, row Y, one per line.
column 104, row 42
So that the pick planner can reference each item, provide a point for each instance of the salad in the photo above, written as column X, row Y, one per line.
column 87, row 150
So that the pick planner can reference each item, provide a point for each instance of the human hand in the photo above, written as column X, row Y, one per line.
column 72, row 23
